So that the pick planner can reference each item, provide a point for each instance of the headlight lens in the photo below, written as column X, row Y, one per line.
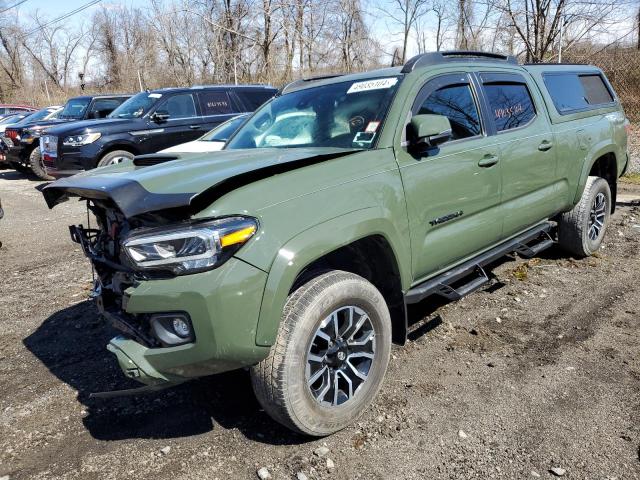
column 189, row 248
column 79, row 140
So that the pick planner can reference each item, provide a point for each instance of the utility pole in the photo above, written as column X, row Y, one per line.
column 561, row 35
column 638, row 28
column 46, row 89
column 140, row 81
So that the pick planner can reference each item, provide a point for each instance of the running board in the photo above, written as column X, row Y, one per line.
column 527, row 244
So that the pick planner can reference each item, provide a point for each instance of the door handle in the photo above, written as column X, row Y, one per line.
column 194, row 127
column 488, row 160
column 545, row 145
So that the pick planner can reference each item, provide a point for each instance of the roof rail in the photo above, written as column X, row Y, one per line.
column 433, row 58
column 302, row 81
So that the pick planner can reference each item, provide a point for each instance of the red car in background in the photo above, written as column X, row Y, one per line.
column 6, row 108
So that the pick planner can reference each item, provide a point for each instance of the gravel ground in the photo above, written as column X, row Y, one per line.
column 540, row 371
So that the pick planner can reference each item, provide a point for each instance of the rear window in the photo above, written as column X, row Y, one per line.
column 511, row 105
column 577, row 91
column 254, row 98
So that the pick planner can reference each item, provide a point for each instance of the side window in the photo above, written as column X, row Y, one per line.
column 179, row 106
column 215, row 103
column 457, row 104
column 595, row 91
column 103, row 107
column 574, row 91
column 254, row 98
column 511, row 104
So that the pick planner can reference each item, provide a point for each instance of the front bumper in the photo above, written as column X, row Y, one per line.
column 223, row 305
column 67, row 161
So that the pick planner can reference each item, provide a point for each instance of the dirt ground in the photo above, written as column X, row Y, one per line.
column 539, row 371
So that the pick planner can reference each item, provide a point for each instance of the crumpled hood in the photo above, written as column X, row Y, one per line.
column 192, row 181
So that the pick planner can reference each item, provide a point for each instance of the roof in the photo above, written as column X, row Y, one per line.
column 423, row 60
column 15, row 105
column 559, row 67
column 212, row 87
column 101, row 95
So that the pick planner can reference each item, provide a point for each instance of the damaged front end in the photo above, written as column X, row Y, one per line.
column 113, row 276
column 136, row 254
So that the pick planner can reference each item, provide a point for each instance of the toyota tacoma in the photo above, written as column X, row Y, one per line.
column 295, row 250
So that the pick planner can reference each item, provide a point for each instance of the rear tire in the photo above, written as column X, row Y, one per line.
column 115, row 157
column 336, row 305
column 37, row 165
column 582, row 230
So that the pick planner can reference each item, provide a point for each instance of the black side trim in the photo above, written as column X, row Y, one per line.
column 442, row 284
column 213, row 193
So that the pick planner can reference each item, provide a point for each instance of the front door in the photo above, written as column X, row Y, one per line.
column 182, row 126
column 452, row 192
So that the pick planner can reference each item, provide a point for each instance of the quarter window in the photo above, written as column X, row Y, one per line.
column 510, row 103
column 254, row 98
column 457, row 104
column 180, row 106
column 574, row 91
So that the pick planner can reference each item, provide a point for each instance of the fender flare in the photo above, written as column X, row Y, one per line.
column 313, row 244
column 598, row 150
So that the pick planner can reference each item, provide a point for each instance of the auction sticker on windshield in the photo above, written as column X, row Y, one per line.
column 377, row 84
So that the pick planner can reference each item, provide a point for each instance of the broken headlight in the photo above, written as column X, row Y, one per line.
column 189, row 248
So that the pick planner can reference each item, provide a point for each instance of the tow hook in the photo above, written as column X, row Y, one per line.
column 96, row 291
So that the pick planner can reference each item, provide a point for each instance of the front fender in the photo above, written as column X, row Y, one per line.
column 316, row 242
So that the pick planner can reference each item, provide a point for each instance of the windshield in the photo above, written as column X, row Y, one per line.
column 75, row 108
column 11, row 119
column 342, row 115
column 39, row 115
column 136, row 106
column 223, row 132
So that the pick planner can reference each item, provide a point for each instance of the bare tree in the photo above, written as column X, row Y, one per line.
column 404, row 14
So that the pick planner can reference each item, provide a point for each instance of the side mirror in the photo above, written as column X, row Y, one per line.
column 160, row 116
column 429, row 130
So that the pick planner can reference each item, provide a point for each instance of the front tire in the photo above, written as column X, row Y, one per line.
column 115, row 157
column 582, row 230
column 37, row 166
column 330, row 355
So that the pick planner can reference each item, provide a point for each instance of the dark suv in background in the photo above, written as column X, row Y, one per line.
column 25, row 138
column 147, row 122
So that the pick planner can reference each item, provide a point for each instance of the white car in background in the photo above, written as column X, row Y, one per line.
column 213, row 140
column 46, row 113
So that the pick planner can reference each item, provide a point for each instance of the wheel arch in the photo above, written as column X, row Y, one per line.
column 365, row 236
column 112, row 147
column 603, row 163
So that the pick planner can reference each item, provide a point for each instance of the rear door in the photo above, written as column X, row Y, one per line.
column 184, row 123
column 530, row 192
column 217, row 107
column 452, row 192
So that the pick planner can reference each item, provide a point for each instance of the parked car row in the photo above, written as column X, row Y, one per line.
column 100, row 130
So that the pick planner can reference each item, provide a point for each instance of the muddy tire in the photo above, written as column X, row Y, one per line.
column 580, row 231
column 330, row 355
column 37, row 165
column 115, row 157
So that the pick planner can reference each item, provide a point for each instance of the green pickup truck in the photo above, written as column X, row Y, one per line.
column 295, row 251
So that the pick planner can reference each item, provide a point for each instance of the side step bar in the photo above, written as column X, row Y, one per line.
column 527, row 244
